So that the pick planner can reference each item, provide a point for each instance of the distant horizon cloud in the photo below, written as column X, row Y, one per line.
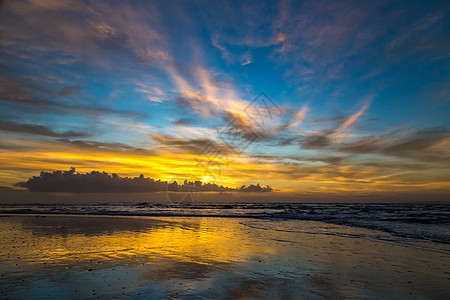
column 101, row 182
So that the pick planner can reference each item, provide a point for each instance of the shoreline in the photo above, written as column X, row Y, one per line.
column 220, row 212
column 185, row 257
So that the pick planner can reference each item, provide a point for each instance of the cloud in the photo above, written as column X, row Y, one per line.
column 185, row 122
column 314, row 46
column 298, row 118
column 205, row 95
column 427, row 144
column 300, row 115
column 94, row 145
column 321, row 42
column 246, row 62
column 255, row 120
column 38, row 130
column 86, row 30
column 315, row 142
column 325, row 138
column 199, row 146
column 350, row 120
column 241, row 128
column 41, row 98
column 223, row 50
column 153, row 94
column 101, row 182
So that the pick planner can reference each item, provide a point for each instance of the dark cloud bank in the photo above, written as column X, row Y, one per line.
column 101, row 182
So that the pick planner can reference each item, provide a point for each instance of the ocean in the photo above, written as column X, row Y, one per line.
column 395, row 222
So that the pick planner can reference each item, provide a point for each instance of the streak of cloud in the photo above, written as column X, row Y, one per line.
column 328, row 137
column 352, row 119
column 38, row 130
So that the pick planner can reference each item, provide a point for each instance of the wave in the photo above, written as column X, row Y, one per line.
column 420, row 221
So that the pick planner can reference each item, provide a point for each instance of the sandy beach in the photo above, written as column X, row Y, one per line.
column 90, row 257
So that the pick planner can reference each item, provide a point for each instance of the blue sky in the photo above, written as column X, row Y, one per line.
column 360, row 91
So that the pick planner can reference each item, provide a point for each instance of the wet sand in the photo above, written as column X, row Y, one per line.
column 84, row 257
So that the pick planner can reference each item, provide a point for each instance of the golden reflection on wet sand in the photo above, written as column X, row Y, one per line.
column 140, row 257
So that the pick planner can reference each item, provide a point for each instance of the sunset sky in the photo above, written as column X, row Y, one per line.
column 309, row 97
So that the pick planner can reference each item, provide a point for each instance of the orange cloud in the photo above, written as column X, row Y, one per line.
column 352, row 119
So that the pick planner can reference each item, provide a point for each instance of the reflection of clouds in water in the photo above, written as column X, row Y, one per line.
column 207, row 258
column 183, row 270
column 226, row 280
column 88, row 226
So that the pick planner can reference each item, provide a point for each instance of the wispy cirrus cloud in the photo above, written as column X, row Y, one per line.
column 42, row 98
column 205, row 96
column 324, row 138
column 153, row 94
column 299, row 116
column 430, row 144
column 198, row 146
column 84, row 30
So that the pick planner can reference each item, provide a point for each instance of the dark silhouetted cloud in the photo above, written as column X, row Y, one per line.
column 101, row 182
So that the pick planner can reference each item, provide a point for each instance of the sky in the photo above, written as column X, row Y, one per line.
column 317, row 99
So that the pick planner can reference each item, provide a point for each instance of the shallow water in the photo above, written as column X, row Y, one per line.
column 421, row 221
column 205, row 257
